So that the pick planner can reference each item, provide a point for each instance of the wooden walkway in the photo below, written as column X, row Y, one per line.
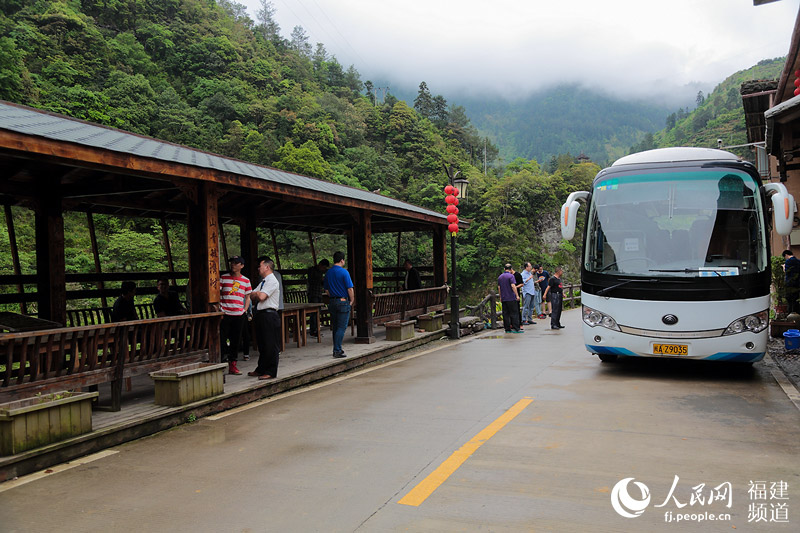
column 140, row 416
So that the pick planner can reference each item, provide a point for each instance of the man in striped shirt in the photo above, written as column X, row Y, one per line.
column 234, row 302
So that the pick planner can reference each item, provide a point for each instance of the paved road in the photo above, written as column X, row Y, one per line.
column 543, row 432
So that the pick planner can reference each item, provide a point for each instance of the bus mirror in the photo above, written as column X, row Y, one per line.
column 569, row 214
column 783, row 207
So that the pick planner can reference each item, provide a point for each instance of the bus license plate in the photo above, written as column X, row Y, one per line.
column 671, row 349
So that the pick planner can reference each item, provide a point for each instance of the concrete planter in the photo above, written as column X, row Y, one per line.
column 189, row 383
column 778, row 327
column 42, row 420
column 430, row 322
column 399, row 331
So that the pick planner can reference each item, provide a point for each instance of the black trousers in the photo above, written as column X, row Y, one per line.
column 230, row 329
column 268, row 336
column 511, row 315
column 557, row 301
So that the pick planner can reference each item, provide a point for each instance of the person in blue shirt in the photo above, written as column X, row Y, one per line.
column 339, row 288
column 528, row 294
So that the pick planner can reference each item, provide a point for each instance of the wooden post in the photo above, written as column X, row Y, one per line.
column 362, row 257
column 439, row 256
column 12, row 240
column 167, row 247
column 277, row 259
column 398, row 271
column 248, row 234
column 93, row 237
column 50, row 262
column 222, row 241
column 313, row 250
column 203, row 230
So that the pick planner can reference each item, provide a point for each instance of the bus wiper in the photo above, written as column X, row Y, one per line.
column 625, row 282
column 738, row 291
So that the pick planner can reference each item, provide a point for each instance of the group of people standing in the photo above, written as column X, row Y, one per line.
column 237, row 297
column 539, row 293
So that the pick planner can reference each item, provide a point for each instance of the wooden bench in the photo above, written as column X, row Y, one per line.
column 407, row 304
column 69, row 358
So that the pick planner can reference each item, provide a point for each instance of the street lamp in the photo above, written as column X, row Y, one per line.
column 457, row 189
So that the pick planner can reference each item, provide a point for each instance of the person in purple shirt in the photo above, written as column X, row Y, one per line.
column 510, row 300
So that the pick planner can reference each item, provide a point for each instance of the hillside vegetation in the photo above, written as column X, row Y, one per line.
column 718, row 115
column 203, row 74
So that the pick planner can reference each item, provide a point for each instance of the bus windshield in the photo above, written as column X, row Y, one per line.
column 696, row 223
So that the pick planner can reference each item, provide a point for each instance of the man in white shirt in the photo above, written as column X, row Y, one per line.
column 266, row 299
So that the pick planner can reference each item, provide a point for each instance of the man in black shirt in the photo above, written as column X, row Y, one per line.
column 555, row 290
column 413, row 280
column 123, row 308
column 167, row 302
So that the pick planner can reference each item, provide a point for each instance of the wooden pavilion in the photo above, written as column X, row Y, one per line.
column 54, row 164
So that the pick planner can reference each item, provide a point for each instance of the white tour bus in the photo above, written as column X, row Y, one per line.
column 676, row 258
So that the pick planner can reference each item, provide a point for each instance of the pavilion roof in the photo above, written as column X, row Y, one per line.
column 86, row 145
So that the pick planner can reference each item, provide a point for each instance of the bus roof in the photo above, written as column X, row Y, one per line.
column 673, row 155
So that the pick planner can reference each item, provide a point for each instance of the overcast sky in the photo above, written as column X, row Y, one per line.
column 626, row 47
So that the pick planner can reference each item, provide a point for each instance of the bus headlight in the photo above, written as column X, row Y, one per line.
column 593, row 317
column 754, row 323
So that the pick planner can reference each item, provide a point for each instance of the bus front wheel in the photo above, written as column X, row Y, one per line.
column 607, row 357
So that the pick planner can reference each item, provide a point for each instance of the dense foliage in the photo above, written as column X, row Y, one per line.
column 718, row 115
column 203, row 74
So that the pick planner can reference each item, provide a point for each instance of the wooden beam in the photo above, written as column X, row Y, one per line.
column 224, row 244
column 203, row 230
column 277, row 258
column 12, row 240
column 249, row 237
column 59, row 152
column 439, row 255
column 168, row 248
column 50, row 261
column 96, row 255
column 313, row 250
column 362, row 259
column 399, row 241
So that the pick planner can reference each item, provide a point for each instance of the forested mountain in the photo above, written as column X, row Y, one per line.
column 203, row 74
column 565, row 119
column 718, row 115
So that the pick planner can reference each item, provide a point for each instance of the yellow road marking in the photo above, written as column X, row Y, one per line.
column 425, row 488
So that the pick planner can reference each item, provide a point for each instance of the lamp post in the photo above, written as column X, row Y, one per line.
column 457, row 189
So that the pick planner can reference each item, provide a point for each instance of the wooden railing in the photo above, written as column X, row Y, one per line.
column 406, row 304
column 68, row 358
column 93, row 316
column 486, row 310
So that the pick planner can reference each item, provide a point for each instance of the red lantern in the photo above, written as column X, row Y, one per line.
column 453, row 219
column 797, row 73
column 452, row 209
column 450, row 199
column 452, row 228
column 797, row 82
column 449, row 189
column 797, row 91
column 456, row 201
column 456, row 211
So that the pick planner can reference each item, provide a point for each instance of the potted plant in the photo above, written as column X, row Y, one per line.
column 44, row 419
column 430, row 322
column 779, row 287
